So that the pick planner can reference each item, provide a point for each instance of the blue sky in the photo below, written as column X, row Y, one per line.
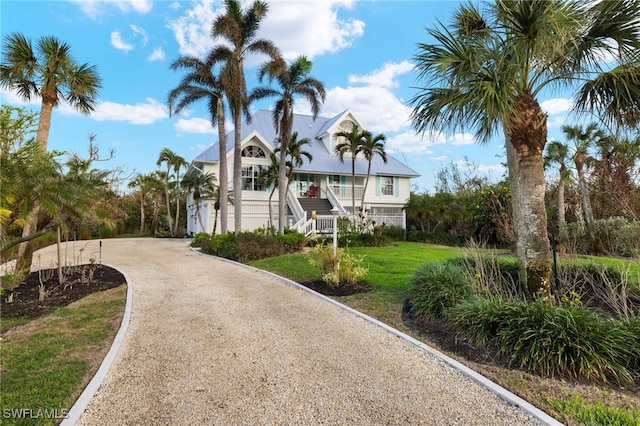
column 361, row 51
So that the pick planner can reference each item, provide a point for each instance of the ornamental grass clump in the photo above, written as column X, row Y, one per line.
column 341, row 268
column 436, row 287
column 572, row 341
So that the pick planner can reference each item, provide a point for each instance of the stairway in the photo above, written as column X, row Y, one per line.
column 322, row 206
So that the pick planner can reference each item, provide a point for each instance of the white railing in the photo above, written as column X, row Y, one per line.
column 343, row 191
column 331, row 196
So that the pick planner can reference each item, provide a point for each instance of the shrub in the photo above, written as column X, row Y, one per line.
column 395, row 233
column 551, row 340
column 436, row 287
column 293, row 240
column 441, row 238
column 200, row 238
column 341, row 268
column 619, row 236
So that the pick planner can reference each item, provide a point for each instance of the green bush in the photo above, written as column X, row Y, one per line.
column 200, row 238
column 436, row 287
column 619, row 236
column 293, row 240
column 441, row 238
column 394, row 232
column 551, row 340
column 251, row 246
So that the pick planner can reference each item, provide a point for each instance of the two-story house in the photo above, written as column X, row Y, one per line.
column 319, row 185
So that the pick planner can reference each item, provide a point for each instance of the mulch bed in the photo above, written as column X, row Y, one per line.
column 79, row 281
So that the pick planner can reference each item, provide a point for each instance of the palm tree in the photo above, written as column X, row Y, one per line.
column 177, row 163
column 558, row 153
column 201, row 83
column 51, row 74
column 294, row 80
column 487, row 69
column 239, row 28
column 144, row 185
column 584, row 139
column 370, row 147
column 168, row 157
column 351, row 143
column 203, row 186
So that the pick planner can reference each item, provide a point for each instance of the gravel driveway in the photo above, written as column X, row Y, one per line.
column 211, row 342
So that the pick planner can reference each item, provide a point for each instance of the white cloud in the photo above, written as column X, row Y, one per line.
column 414, row 143
column 440, row 158
column 95, row 8
column 157, row 55
column 309, row 27
column 194, row 125
column 556, row 106
column 139, row 31
column 141, row 113
column 462, row 139
column 119, row 43
column 193, row 28
column 385, row 76
column 377, row 107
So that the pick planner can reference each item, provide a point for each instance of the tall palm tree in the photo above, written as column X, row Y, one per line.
column 203, row 186
column 487, row 69
column 239, row 29
column 293, row 81
column 51, row 73
column 177, row 163
column 370, row 147
column 201, row 83
column 144, row 185
column 351, row 142
column 168, row 157
column 584, row 139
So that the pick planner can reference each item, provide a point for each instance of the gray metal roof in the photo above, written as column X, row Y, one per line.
column 323, row 161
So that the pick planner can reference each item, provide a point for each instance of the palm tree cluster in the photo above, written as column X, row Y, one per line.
column 68, row 194
column 487, row 69
column 219, row 79
column 360, row 141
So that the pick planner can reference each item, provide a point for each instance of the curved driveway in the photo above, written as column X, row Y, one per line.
column 211, row 342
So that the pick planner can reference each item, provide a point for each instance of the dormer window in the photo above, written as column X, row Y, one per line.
column 253, row 151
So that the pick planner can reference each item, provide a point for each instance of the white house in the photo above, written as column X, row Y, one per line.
column 319, row 185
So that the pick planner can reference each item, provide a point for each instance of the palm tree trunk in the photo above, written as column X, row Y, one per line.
column 168, row 202
column 200, row 217
column 525, row 144
column 24, row 258
column 562, row 225
column 223, row 172
column 596, row 245
column 44, row 124
column 141, row 212
column 175, row 224
column 271, row 209
column 237, row 173
column 353, row 185
column 366, row 184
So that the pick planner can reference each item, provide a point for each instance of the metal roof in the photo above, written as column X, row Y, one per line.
column 323, row 161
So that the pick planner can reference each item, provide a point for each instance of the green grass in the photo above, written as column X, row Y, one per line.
column 47, row 362
column 596, row 414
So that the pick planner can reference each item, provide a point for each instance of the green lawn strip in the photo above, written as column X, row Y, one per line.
column 47, row 362
column 596, row 414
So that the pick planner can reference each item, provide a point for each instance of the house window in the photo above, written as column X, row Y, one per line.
column 251, row 180
column 386, row 185
column 253, row 151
